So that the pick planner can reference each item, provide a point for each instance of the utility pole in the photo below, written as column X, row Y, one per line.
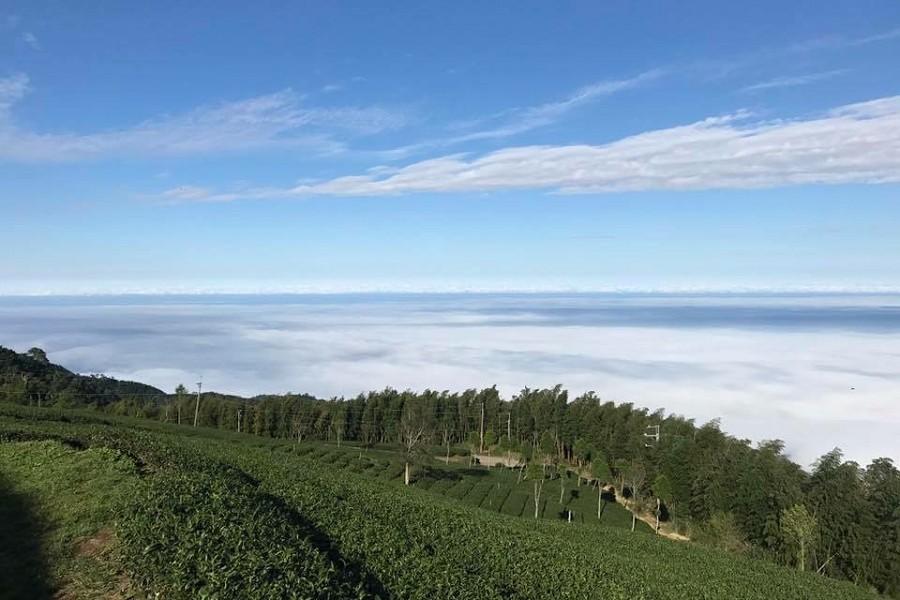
column 652, row 435
column 197, row 405
column 481, row 442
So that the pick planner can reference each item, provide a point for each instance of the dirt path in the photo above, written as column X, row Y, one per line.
column 486, row 460
column 665, row 529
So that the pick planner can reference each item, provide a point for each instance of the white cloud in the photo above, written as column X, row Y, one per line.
column 12, row 89
column 856, row 143
column 793, row 81
column 877, row 37
column 515, row 121
column 731, row 368
column 10, row 22
column 525, row 119
column 278, row 120
column 30, row 39
column 838, row 41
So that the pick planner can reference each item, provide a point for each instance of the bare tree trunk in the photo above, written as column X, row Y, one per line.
column 824, row 564
column 481, row 435
column 197, row 409
column 633, row 520
column 406, row 474
column 537, row 499
column 562, row 487
column 657, row 516
column 599, row 499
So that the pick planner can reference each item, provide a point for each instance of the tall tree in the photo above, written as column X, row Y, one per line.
column 180, row 394
column 882, row 483
column 535, row 472
column 414, row 426
column 662, row 490
column 562, row 473
column 601, row 474
column 800, row 531
column 847, row 526
column 635, row 476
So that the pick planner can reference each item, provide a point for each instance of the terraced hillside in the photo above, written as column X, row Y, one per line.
column 215, row 515
column 496, row 489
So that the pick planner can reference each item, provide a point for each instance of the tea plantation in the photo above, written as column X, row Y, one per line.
column 193, row 513
column 497, row 489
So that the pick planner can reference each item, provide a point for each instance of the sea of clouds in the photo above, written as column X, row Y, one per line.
column 817, row 371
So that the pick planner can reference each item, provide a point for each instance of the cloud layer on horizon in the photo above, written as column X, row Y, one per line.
column 765, row 381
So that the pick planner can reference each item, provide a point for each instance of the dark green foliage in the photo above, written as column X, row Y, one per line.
column 882, row 482
column 836, row 496
column 30, row 378
column 196, row 534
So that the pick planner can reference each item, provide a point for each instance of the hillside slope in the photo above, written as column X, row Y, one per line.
column 499, row 490
column 233, row 516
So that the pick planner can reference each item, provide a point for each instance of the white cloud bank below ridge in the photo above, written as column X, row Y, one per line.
column 856, row 143
column 764, row 381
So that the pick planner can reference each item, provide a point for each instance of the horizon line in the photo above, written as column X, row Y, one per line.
column 454, row 290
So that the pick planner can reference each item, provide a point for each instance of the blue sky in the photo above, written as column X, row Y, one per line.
column 339, row 146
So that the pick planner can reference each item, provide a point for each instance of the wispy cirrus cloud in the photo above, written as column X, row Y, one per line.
column 12, row 89
column 515, row 121
column 512, row 122
column 520, row 120
column 793, row 81
column 13, row 23
column 838, row 41
column 721, row 67
column 856, row 143
column 278, row 120
column 31, row 39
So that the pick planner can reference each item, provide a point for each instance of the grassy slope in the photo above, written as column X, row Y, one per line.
column 57, row 516
column 222, row 515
